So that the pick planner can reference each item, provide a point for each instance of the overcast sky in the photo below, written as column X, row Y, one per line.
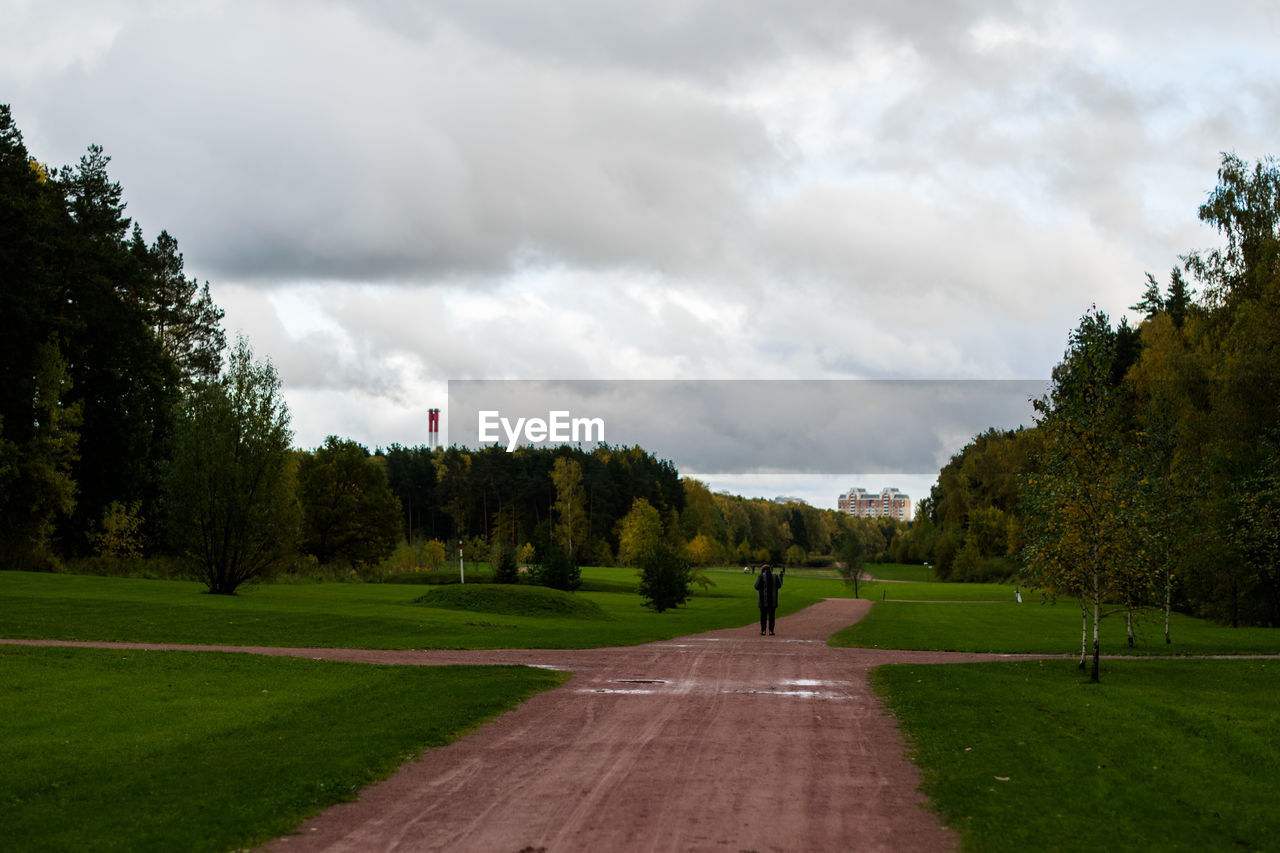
column 385, row 196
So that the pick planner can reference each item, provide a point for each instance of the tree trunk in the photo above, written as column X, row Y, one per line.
column 1168, row 602
column 1084, row 632
column 1128, row 624
column 1097, row 616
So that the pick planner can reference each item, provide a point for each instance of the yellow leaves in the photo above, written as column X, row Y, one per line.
column 40, row 169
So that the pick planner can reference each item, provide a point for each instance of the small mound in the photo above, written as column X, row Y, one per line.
column 512, row 601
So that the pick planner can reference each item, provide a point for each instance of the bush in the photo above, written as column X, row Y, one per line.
column 502, row 559
column 119, row 534
column 664, row 579
column 415, row 556
column 558, row 571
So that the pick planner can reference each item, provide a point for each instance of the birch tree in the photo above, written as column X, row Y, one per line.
column 1079, row 503
column 570, row 514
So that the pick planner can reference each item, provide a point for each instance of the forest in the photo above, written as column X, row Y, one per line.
column 1151, row 473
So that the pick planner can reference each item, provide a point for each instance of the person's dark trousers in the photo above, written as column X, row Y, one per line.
column 766, row 617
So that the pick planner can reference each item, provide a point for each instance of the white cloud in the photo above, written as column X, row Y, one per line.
column 386, row 196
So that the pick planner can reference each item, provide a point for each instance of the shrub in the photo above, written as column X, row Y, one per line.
column 502, row 559
column 664, row 579
column 558, row 571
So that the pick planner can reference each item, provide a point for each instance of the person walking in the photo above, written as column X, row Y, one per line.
column 767, row 585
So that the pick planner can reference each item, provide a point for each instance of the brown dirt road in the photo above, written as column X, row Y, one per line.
column 724, row 741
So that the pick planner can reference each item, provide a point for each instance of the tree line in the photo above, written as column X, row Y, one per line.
column 104, row 335
column 129, row 429
column 578, row 500
column 1151, row 473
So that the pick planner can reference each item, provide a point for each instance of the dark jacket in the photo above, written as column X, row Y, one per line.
column 767, row 588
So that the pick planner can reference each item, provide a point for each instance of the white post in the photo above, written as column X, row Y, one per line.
column 462, row 572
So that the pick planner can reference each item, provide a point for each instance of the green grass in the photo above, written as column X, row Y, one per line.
column 1039, row 629
column 135, row 751
column 898, row 572
column 934, row 591
column 76, row 607
column 512, row 601
column 1162, row 755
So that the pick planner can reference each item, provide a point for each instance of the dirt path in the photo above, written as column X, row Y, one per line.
column 720, row 741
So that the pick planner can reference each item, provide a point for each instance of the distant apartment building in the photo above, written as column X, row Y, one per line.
column 889, row 503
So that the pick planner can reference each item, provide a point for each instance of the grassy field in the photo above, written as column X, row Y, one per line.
column 135, row 751
column 1037, row 628
column 77, row 607
column 1168, row 754
column 934, row 591
column 1162, row 755
column 898, row 572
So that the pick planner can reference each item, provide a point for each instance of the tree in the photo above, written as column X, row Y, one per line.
column 120, row 533
column 1245, row 208
column 558, row 571
column 1079, row 499
column 432, row 554
column 183, row 315
column 569, row 511
column 454, row 483
column 703, row 551
column 639, row 533
column 502, row 560
column 849, row 559
column 348, row 510
column 35, row 472
column 1152, row 303
column 664, row 578
column 230, row 501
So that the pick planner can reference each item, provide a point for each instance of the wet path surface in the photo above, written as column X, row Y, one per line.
column 720, row 741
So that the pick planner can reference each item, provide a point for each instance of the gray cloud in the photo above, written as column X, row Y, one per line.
column 389, row 195
column 736, row 427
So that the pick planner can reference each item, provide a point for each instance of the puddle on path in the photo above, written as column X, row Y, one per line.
column 802, row 688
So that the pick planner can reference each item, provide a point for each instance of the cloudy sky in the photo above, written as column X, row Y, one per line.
column 385, row 196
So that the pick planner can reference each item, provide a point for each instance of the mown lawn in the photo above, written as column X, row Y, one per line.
column 107, row 750
column 1167, row 755
column 1037, row 628
column 77, row 607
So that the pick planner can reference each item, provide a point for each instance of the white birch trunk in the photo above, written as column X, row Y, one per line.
column 1084, row 632
column 1097, row 615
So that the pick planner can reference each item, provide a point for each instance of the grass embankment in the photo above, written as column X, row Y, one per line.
column 512, row 601
column 1162, row 755
column 108, row 750
column 75, row 607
